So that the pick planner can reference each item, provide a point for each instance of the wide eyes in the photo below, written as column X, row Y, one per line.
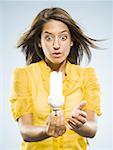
column 50, row 38
column 63, row 37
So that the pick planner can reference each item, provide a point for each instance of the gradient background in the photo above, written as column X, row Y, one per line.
column 95, row 18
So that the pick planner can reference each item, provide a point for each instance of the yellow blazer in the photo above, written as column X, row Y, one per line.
column 30, row 91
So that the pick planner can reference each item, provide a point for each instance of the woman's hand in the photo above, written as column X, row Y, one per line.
column 55, row 124
column 78, row 117
column 83, row 122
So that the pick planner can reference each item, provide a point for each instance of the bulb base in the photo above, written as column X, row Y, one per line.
column 56, row 102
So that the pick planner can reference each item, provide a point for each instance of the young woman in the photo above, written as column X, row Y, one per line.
column 55, row 42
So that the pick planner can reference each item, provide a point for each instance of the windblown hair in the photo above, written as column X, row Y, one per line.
column 30, row 39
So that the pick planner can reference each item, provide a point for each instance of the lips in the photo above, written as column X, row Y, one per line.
column 56, row 54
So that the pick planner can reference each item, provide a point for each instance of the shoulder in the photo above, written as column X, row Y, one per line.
column 22, row 70
column 82, row 74
column 80, row 69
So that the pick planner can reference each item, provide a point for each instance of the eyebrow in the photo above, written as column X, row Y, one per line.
column 59, row 32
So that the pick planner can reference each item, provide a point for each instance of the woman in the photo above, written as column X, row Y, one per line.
column 55, row 42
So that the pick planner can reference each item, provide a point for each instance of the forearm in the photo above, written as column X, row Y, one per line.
column 87, row 130
column 32, row 133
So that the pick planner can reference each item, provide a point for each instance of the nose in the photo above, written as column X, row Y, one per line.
column 56, row 44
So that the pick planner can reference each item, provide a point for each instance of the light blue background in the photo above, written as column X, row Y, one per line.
column 95, row 17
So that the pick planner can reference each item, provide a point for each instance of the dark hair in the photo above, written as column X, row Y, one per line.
column 29, row 40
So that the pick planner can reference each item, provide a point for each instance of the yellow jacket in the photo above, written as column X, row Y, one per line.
column 30, row 91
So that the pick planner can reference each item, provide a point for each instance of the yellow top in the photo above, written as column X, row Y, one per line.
column 30, row 91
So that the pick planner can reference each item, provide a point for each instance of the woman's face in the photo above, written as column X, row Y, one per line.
column 55, row 41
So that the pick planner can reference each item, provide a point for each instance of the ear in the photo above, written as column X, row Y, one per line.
column 71, row 43
column 39, row 44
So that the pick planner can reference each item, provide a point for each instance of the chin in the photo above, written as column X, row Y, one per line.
column 57, row 61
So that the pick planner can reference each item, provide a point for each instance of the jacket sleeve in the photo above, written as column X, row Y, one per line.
column 91, row 88
column 21, row 98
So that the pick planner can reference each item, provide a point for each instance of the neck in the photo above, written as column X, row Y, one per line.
column 56, row 67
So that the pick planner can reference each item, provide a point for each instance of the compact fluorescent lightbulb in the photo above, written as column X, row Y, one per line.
column 56, row 99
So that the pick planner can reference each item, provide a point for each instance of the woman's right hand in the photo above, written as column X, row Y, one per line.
column 55, row 125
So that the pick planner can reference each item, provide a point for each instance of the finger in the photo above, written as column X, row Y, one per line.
column 73, row 126
column 76, row 123
column 63, row 129
column 82, row 119
column 79, row 118
column 82, row 105
column 78, row 113
column 60, row 130
column 55, row 135
column 83, row 114
column 78, row 108
column 51, row 130
column 70, row 127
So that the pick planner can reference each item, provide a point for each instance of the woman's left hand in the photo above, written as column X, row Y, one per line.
column 78, row 117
